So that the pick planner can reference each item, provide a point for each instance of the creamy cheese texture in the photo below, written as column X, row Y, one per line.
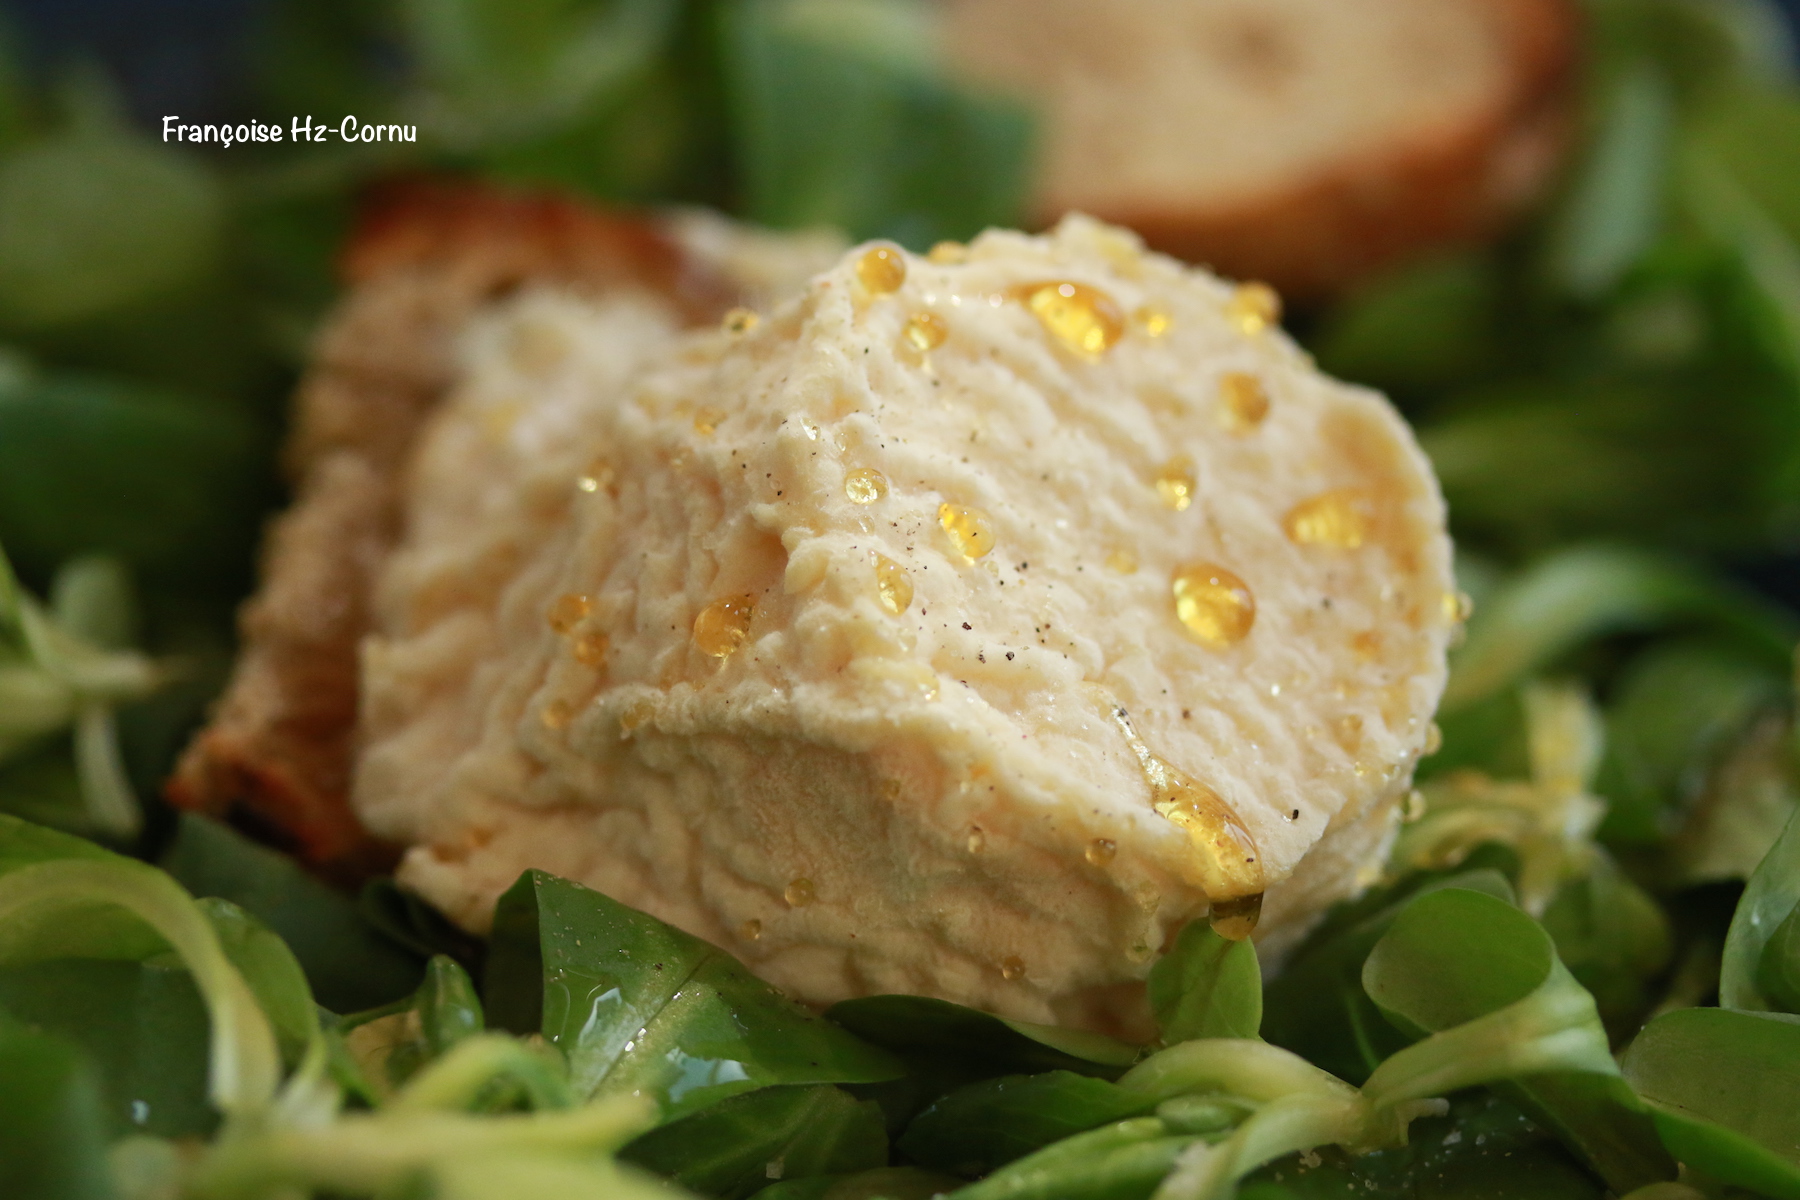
column 962, row 625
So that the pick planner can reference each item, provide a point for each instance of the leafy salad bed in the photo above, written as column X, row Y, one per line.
column 1579, row 968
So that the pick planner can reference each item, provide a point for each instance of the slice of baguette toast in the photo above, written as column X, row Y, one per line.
column 1307, row 143
column 277, row 754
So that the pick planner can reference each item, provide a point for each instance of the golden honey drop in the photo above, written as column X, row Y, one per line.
column 969, row 530
column 556, row 714
column 1214, row 605
column 750, row 930
column 599, row 474
column 1175, row 482
column 881, row 269
column 1458, row 607
column 1101, row 851
column 1230, row 865
column 893, row 584
column 1152, row 320
column 706, row 421
column 865, row 485
column 590, row 649
column 1235, row 920
column 925, row 331
column 724, row 625
column 799, row 893
column 1122, row 561
column 740, row 320
column 949, row 253
column 1253, row 308
column 1012, row 967
column 568, row 611
column 1243, row 403
column 977, row 841
column 1434, row 740
column 1337, row 519
column 1085, row 320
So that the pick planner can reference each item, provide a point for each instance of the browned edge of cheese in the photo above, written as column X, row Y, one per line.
column 277, row 754
column 1434, row 187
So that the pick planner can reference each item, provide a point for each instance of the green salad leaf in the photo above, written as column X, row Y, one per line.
column 1724, row 1089
column 53, row 1132
column 1206, row 986
column 639, row 1007
column 982, row 1126
column 1770, row 899
column 734, row 1148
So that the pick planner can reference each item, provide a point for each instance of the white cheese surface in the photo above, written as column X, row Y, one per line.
column 944, row 799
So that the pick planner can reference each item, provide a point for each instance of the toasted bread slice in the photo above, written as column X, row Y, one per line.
column 427, row 257
column 1303, row 142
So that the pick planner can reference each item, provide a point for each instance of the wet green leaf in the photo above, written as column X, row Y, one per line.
column 1672, row 712
column 637, row 1005
column 390, row 1044
column 1317, row 1007
column 985, row 1125
column 93, row 222
column 1769, row 899
column 1122, row 1161
column 835, row 126
column 349, row 965
column 1587, row 591
column 1455, row 966
column 89, row 464
column 737, row 1146
column 142, row 1027
column 1725, row 1090
column 1484, row 1149
column 919, row 1026
column 883, row 1183
column 272, row 972
column 52, row 1130
column 1613, row 937
column 1207, row 986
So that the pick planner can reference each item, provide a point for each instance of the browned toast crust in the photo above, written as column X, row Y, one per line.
column 277, row 753
column 1441, row 187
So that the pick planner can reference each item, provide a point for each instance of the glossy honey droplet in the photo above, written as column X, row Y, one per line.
column 740, row 321
column 799, row 893
column 590, row 649
column 1434, row 740
column 977, row 841
column 599, row 474
column 568, row 611
column 1458, row 607
column 1176, row 482
column 925, row 331
column 949, row 253
column 1101, row 851
column 556, row 714
column 893, row 584
column 1253, row 308
column 724, row 625
column 1228, row 864
column 881, row 269
column 1012, row 967
column 1415, row 807
column 1122, row 561
column 1153, row 320
column 967, row 528
column 1083, row 319
column 1338, row 520
column 1243, row 402
column 706, row 421
column 1213, row 605
column 750, row 930
column 865, row 485
column 1235, row 919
